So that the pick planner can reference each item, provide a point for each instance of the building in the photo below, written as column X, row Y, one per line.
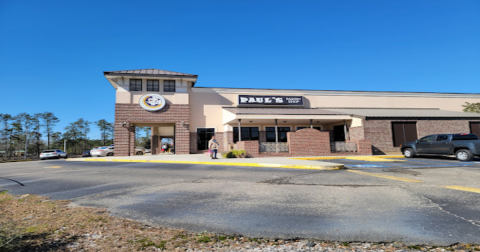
column 278, row 122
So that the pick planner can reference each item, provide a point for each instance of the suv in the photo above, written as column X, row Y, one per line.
column 463, row 146
column 53, row 154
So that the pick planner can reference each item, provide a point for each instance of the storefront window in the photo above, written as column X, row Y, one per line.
column 203, row 136
column 248, row 133
column 282, row 134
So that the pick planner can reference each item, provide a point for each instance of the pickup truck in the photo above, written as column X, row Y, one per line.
column 464, row 146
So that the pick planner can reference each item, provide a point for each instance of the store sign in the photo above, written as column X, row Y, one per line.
column 270, row 100
column 152, row 102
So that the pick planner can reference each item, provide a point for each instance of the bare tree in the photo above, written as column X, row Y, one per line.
column 6, row 133
column 72, row 132
column 23, row 122
column 36, row 126
column 105, row 129
column 49, row 120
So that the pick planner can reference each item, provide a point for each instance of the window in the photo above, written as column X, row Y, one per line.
column 169, row 86
column 339, row 133
column 427, row 139
column 203, row 136
column 152, row 85
column 465, row 137
column 317, row 128
column 282, row 134
column 135, row 85
column 403, row 132
column 442, row 138
column 248, row 133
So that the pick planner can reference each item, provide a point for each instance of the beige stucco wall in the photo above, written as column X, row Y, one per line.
column 206, row 103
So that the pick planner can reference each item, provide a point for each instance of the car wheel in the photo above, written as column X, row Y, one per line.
column 409, row 153
column 464, row 155
column 139, row 153
column 110, row 154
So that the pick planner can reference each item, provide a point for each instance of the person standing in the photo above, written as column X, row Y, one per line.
column 213, row 146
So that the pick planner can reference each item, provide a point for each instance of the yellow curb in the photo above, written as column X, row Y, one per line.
column 372, row 158
column 461, row 188
column 386, row 176
column 56, row 167
column 264, row 165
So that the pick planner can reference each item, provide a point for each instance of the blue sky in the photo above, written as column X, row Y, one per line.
column 53, row 53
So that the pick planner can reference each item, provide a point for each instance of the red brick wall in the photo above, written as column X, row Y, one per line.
column 364, row 147
column 379, row 132
column 133, row 113
column 220, row 137
column 251, row 147
column 356, row 133
column 309, row 142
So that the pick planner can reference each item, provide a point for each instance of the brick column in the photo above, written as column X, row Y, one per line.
column 182, row 138
column 132, row 140
column 121, row 139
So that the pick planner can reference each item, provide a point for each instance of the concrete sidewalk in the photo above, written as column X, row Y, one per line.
column 275, row 162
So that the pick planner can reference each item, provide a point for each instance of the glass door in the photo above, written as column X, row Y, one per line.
column 203, row 136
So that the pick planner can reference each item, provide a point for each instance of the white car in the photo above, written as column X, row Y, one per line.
column 53, row 154
column 102, row 151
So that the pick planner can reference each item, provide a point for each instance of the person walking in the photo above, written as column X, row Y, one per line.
column 213, row 146
column 164, row 148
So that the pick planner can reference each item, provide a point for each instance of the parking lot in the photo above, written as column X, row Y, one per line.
column 416, row 163
column 417, row 201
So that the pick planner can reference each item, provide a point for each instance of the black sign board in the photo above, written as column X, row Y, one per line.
column 270, row 100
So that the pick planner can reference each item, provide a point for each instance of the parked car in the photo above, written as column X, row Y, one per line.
column 52, row 154
column 139, row 150
column 464, row 146
column 86, row 154
column 102, row 151
column 148, row 151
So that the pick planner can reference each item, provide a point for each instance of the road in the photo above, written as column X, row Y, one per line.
column 418, row 201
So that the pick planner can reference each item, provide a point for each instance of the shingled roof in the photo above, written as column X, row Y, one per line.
column 152, row 72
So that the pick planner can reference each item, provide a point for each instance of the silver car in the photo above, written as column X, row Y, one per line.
column 53, row 154
column 102, row 151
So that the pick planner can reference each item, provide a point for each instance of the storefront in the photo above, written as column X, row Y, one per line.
column 268, row 122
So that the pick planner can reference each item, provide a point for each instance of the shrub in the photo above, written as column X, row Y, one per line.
column 235, row 154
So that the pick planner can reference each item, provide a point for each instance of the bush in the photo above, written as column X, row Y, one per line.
column 236, row 154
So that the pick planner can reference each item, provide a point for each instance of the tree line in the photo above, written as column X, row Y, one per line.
column 30, row 134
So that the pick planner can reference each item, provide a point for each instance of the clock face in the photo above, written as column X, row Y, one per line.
column 152, row 102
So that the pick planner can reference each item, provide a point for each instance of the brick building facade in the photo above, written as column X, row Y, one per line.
column 276, row 122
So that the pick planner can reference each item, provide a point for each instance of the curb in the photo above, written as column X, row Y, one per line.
column 14, row 161
column 348, row 157
column 264, row 165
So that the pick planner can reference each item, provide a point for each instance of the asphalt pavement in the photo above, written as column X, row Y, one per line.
column 416, row 201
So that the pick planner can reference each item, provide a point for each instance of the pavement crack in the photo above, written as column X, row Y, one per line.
column 452, row 214
column 284, row 180
column 13, row 181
